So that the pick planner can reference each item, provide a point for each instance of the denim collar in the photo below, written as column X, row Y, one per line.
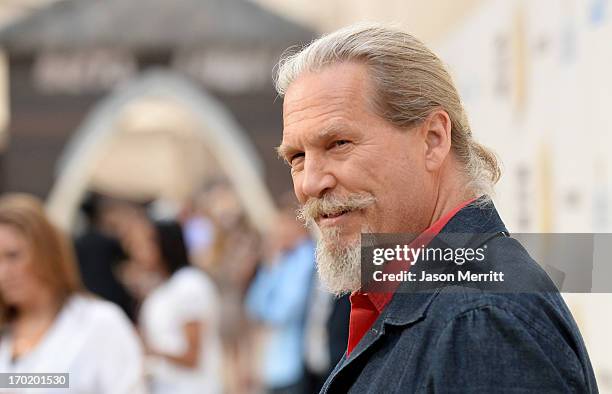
column 473, row 225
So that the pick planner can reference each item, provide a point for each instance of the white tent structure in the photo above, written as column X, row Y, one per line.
column 222, row 136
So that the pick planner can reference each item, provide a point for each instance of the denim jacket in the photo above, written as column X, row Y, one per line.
column 463, row 340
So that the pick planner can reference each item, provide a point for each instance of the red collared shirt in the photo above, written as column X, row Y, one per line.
column 366, row 307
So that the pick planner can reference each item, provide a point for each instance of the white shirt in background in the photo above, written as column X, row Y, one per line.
column 189, row 295
column 93, row 341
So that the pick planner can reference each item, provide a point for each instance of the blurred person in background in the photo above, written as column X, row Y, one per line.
column 99, row 253
column 139, row 272
column 199, row 232
column 326, row 335
column 48, row 323
column 230, row 256
column 278, row 298
column 202, row 233
column 179, row 319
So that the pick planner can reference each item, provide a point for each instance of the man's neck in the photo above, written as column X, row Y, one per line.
column 452, row 192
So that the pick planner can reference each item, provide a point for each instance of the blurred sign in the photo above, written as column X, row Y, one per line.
column 83, row 71
column 228, row 70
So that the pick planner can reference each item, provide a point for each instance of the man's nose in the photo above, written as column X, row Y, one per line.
column 317, row 178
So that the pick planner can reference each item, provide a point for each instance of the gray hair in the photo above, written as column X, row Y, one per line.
column 410, row 82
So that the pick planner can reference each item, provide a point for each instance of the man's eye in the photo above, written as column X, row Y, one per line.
column 296, row 157
column 340, row 143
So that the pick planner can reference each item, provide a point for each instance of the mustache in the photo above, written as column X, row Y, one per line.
column 333, row 205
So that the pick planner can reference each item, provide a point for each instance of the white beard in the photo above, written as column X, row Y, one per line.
column 339, row 264
column 339, row 267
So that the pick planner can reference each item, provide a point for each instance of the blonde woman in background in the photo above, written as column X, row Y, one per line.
column 48, row 324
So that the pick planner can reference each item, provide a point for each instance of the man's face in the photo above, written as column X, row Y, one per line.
column 352, row 169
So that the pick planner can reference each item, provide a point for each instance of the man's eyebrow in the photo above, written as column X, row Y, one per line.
column 282, row 151
column 331, row 129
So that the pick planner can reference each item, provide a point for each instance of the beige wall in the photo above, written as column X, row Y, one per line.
column 429, row 20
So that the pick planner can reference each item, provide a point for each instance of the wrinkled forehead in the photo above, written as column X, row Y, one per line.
column 335, row 92
column 331, row 81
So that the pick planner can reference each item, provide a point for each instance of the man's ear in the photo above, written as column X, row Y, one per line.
column 436, row 133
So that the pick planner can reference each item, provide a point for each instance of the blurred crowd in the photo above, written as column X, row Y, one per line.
column 152, row 297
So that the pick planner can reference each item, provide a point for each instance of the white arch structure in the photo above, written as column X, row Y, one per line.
column 225, row 139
